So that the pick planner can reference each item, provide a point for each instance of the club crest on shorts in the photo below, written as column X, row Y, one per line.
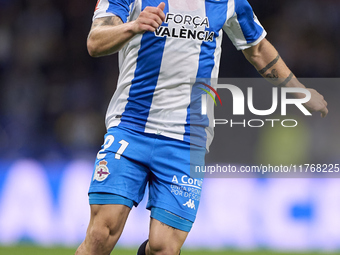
column 101, row 172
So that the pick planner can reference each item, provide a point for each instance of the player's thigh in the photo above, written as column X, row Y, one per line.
column 174, row 192
column 107, row 222
column 120, row 168
column 164, row 238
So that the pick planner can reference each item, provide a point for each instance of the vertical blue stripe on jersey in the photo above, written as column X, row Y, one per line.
column 245, row 16
column 145, row 78
column 196, row 122
column 121, row 8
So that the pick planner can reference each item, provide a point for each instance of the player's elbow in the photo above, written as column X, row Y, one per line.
column 255, row 53
column 93, row 48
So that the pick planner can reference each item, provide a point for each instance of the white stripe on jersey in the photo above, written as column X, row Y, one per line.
column 231, row 9
column 234, row 31
column 173, row 87
column 135, row 9
column 217, row 55
column 100, row 11
column 127, row 68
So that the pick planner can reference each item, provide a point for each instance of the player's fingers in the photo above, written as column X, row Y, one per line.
column 153, row 21
column 146, row 27
column 161, row 6
column 324, row 112
column 156, row 18
column 150, row 18
column 162, row 15
column 157, row 11
column 153, row 24
column 325, row 102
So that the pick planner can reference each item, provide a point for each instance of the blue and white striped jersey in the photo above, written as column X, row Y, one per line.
column 158, row 70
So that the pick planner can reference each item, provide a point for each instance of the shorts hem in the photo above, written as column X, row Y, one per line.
column 171, row 219
column 115, row 192
column 97, row 198
column 181, row 213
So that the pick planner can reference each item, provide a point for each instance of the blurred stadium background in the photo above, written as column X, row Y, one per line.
column 53, row 99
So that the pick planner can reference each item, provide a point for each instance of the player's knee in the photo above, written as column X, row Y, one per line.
column 162, row 247
column 98, row 238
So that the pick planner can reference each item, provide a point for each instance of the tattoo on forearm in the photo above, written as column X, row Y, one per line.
column 107, row 21
column 285, row 82
column 270, row 65
column 274, row 75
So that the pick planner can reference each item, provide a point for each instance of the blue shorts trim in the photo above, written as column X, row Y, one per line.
column 107, row 198
column 171, row 219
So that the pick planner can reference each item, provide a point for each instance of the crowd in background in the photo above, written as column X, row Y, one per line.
column 53, row 95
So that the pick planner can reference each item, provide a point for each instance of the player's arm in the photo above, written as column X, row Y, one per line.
column 267, row 61
column 109, row 34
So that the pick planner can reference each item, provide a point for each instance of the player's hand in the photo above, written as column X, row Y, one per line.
column 149, row 19
column 317, row 103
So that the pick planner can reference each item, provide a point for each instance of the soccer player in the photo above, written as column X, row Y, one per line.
column 164, row 48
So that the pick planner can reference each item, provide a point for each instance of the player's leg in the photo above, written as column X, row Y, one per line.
column 105, row 227
column 118, row 182
column 167, row 233
column 173, row 195
column 164, row 239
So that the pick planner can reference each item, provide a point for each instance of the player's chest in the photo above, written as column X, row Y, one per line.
column 189, row 16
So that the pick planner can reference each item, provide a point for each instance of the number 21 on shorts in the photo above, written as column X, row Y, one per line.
column 107, row 144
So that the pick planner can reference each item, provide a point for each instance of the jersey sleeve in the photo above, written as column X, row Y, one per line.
column 242, row 26
column 106, row 8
